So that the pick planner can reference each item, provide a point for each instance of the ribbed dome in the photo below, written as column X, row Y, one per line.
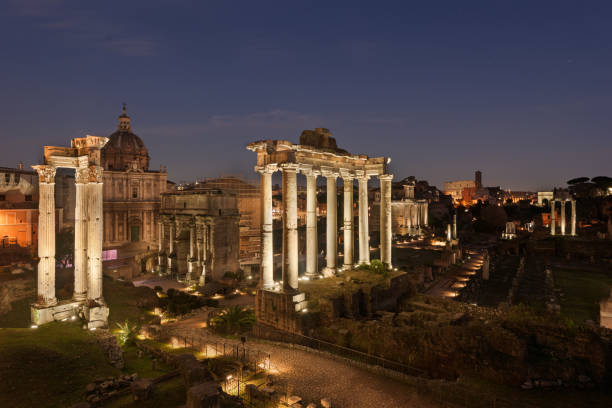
column 124, row 148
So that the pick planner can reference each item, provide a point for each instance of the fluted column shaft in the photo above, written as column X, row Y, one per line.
column 290, row 232
column 425, row 214
column 46, row 235
column 94, row 234
column 454, row 226
column 267, row 239
column 552, row 217
column 191, row 260
column 364, row 235
column 160, row 246
column 204, row 254
column 386, row 232
column 312, row 247
column 332, row 224
column 348, row 222
column 80, row 236
column 170, row 246
column 573, row 217
column 563, row 217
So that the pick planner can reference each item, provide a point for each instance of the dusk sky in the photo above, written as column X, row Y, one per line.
column 521, row 90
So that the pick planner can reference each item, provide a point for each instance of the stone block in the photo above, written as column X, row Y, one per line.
column 325, row 402
column 63, row 310
column 142, row 390
column 204, row 395
column 96, row 316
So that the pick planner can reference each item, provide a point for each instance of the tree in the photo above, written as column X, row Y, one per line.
column 234, row 319
column 64, row 246
column 578, row 180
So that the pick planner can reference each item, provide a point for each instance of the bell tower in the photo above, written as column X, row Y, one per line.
column 124, row 121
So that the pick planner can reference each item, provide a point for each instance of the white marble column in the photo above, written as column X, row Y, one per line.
column 386, row 232
column 290, row 232
column 364, row 235
column 332, row 224
column 80, row 234
column 169, row 263
column 267, row 239
column 204, row 254
column 573, row 218
column 211, row 245
column 454, row 226
column 94, row 233
column 348, row 222
column 46, row 235
column 449, row 234
column 191, row 258
column 563, row 217
column 552, row 217
column 160, row 246
column 425, row 214
column 312, row 246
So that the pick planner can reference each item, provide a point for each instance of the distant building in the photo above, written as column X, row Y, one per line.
column 409, row 214
column 455, row 188
column 132, row 192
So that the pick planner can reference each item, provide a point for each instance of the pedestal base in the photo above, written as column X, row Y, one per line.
column 96, row 316
column 40, row 315
column 328, row 272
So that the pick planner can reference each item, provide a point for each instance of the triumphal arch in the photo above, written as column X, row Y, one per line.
column 87, row 301
column 316, row 155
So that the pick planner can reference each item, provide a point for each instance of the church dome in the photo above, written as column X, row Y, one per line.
column 125, row 150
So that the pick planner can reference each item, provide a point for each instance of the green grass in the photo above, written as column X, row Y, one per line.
column 171, row 393
column 123, row 299
column 583, row 291
column 49, row 366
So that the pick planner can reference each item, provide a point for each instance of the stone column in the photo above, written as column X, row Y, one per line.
column 425, row 214
column 169, row 263
column 552, row 217
column 94, row 233
column 348, row 222
column 116, row 227
column 454, row 226
column 449, row 235
column 81, row 177
column 211, row 244
column 267, row 239
column 46, row 235
column 204, row 254
column 160, row 245
column 386, row 232
column 332, row 225
column 563, row 217
column 364, row 235
column 290, row 232
column 573, row 218
column 312, row 246
column 191, row 259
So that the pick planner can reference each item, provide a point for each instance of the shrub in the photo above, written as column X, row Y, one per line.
column 376, row 266
column 233, row 320
column 127, row 333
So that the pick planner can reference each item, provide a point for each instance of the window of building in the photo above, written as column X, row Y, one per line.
column 28, row 197
column 7, row 178
column 17, row 178
column 134, row 192
column 2, row 197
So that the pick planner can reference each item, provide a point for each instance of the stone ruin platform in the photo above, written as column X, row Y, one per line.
column 95, row 314
column 280, row 309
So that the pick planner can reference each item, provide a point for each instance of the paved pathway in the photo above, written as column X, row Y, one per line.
column 449, row 285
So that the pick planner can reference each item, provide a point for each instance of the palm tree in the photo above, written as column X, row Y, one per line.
column 234, row 319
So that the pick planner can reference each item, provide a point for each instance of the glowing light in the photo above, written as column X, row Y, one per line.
column 73, row 317
column 34, row 326
column 92, row 329
column 304, row 310
column 229, row 377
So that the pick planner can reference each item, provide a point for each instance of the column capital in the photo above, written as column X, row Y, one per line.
column 289, row 168
column 347, row 174
column 329, row 172
column 81, row 176
column 385, row 177
column 267, row 169
column 95, row 174
column 46, row 173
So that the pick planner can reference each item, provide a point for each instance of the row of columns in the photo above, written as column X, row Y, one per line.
column 290, row 257
column 88, row 235
column 553, row 217
column 201, row 247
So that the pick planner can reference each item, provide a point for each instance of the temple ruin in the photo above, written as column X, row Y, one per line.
column 316, row 155
column 87, row 301
column 553, row 213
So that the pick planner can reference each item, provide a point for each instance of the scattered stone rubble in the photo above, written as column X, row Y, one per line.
column 103, row 388
column 112, row 350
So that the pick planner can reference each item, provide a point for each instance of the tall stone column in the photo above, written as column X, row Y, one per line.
column 204, row 254
column 386, row 232
column 290, row 232
column 191, row 259
column 94, row 233
column 80, row 234
column 563, row 217
column 267, row 239
column 160, row 246
column 312, row 246
column 348, row 222
column 364, row 235
column 552, row 217
column 116, row 227
column 169, row 263
column 332, row 224
column 46, row 235
column 454, row 226
column 573, row 218
column 211, row 244
column 425, row 214
column 449, row 234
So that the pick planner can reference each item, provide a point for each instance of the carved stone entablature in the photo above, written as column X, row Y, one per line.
column 95, row 174
column 46, row 174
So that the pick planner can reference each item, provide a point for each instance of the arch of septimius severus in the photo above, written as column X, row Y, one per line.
column 87, row 301
column 318, row 155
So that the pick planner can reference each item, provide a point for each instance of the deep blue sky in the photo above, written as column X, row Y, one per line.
column 521, row 90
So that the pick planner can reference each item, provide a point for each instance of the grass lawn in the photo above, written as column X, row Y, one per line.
column 49, row 366
column 171, row 393
column 583, row 291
